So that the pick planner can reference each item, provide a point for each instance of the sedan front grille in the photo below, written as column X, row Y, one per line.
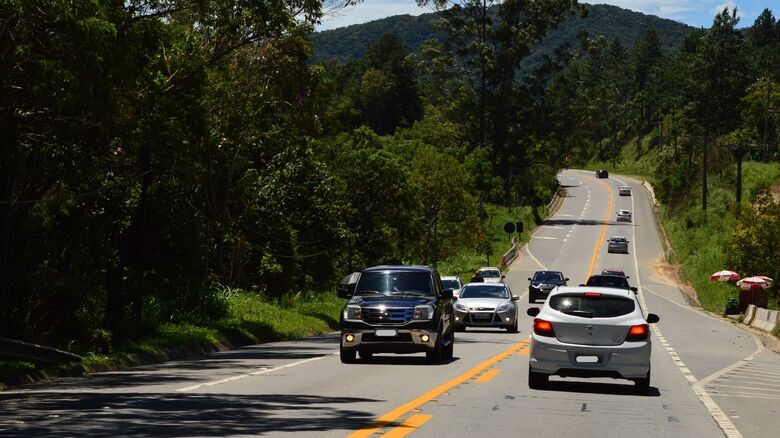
column 391, row 315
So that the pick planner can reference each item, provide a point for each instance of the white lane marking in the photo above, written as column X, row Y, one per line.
column 528, row 250
column 546, row 238
column 259, row 372
column 565, row 215
column 754, row 388
column 554, row 227
column 579, row 181
column 722, row 419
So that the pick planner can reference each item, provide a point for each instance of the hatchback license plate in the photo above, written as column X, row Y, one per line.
column 587, row 359
column 386, row 333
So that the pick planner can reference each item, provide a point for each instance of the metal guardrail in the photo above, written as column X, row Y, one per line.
column 20, row 350
column 510, row 255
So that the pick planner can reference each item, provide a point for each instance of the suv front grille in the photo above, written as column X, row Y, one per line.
column 391, row 315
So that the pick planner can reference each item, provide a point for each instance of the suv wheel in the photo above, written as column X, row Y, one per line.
column 437, row 354
column 449, row 350
column 537, row 380
column 347, row 356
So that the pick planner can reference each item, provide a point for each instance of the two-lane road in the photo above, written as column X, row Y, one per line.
column 708, row 376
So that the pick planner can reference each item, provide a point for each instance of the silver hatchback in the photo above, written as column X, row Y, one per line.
column 590, row 332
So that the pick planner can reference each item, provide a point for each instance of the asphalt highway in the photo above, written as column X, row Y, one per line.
column 709, row 377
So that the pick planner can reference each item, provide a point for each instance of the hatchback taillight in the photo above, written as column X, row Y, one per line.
column 543, row 328
column 638, row 333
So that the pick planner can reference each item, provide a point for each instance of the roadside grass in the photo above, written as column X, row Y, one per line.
column 249, row 317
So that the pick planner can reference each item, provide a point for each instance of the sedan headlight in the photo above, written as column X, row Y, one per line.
column 461, row 307
column 504, row 307
column 352, row 312
column 423, row 312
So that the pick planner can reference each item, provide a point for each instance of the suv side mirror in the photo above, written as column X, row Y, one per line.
column 565, row 279
column 346, row 290
column 532, row 311
column 634, row 289
column 447, row 294
column 529, row 279
column 652, row 318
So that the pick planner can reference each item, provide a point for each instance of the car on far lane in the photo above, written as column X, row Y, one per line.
column 452, row 282
column 543, row 282
column 590, row 332
column 613, row 281
column 614, row 271
column 618, row 244
column 624, row 191
column 491, row 275
column 602, row 173
column 486, row 305
column 624, row 216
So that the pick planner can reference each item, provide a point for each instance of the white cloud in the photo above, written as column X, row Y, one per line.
column 729, row 4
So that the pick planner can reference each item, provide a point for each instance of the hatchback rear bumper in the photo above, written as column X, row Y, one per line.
column 630, row 360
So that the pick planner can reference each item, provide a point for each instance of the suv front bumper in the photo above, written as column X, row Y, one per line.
column 406, row 340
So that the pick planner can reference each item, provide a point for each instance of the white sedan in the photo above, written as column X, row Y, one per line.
column 590, row 332
column 624, row 216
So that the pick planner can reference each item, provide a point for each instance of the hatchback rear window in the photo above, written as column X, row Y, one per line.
column 602, row 306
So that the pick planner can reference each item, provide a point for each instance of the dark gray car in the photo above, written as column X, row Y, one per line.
column 618, row 244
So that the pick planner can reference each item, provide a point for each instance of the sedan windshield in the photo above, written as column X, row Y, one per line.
column 395, row 284
column 490, row 273
column 484, row 292
column 601, row 306
column 450, row 284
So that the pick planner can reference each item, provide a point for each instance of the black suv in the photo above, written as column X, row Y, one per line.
column 602, row 173
column 396, row 309
column 543, row 282
column 613, row 281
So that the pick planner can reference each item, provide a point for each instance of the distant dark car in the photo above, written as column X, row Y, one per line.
column 602, row 173
column 617, row 244
column 612, row 281
column 614, row 271
column 543, row 282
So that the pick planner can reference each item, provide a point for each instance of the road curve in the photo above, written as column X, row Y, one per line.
column 709, row 378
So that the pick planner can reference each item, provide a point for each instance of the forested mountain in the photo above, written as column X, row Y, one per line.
column 351, row 42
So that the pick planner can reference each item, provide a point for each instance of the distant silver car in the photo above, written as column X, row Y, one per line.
column 624, row 216
column 486, row 305
column 452, row 282
column 618, row 244
column 590, row 332
column 624, row 191
column 491, row 275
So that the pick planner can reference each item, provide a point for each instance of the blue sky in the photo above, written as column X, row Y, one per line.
column 697, row 13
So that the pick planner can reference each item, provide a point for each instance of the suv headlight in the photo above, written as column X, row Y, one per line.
column 504, row 307
column 423, row 312
column 461, row 307
column 352, row 312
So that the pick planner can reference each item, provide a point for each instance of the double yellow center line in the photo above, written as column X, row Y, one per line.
column 391, row 417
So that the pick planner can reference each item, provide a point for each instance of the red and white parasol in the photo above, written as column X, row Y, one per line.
column 724, row 275
column 759, row 280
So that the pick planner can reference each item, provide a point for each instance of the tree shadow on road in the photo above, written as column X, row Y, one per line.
column 173, row 415
column 598, row 388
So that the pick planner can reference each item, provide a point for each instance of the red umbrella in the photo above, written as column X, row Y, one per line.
column 724, row 275
column 760, row 280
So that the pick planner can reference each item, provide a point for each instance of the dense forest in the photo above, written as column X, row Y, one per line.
column 351, row 42
column 156, row 152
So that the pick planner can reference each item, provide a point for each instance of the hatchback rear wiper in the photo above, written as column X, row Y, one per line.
column 581, row 313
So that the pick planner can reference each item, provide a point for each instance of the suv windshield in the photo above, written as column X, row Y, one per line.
column 484, row 291
column 395, row 284
column 548, row 276
column 450, row 284
column 608, row 281
column 602, row 306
